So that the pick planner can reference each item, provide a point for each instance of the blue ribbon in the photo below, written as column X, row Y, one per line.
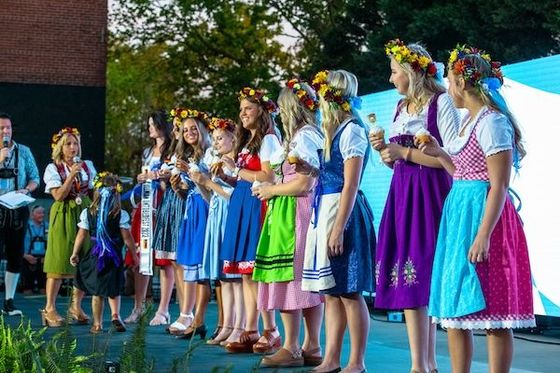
column 104, row 248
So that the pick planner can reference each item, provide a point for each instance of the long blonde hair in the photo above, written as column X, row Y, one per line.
column 332, row 115
column 196, row 152
column 421, row 86
column 294, row 113
column 57, row 155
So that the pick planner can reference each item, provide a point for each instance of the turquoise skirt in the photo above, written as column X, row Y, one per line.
column 455, row 288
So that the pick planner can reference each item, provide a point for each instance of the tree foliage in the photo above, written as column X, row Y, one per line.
column 199, row 53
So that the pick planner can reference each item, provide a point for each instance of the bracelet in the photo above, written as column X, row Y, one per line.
column 407, row 155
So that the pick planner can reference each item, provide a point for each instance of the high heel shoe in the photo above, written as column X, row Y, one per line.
column 134, row 316
column 215, row 333
column 246, row 341
column 78, row 317
column 178, row 327
column 271, row 345
column 51, row 319
column 234, row 332
column 227, row 330
column 193, row 331
column 160, row 319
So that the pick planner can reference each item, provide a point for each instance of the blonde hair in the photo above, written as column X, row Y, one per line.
column 185, row 151
column 57, row 155
column 294, row 113
column 332, row 115
column 485, row 69
column 421, row 86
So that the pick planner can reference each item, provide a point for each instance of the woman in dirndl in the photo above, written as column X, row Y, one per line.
column 70, row 181
column 481, row 278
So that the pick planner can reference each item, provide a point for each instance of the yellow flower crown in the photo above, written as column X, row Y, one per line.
column 66, row 130
column 329, row 93
column 259, row 96
column 178, row 114
column 100, row 181
column 225, row 124
column 402, row 54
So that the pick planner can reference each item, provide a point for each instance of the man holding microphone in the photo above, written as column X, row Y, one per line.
column 18, row 172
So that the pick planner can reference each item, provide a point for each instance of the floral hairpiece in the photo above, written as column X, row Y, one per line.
column 403, row 54
column 178, row 114
column 466, row 68
column 220, row 123
column 328, row 92
column 66, row 130
column 310, row 102
column 261, row 97
column 99, row 181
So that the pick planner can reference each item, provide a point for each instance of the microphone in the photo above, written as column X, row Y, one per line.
column 77, row 159
column 5, row 141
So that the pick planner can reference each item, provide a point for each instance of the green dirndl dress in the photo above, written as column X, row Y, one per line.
column 63, row 227
column 275, row 252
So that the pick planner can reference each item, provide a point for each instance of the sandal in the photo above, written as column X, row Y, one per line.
column 79, row 317
column 160, row 319
column 246, row 341
column 178, row 328
column 96, row 329
column 224, row 334
column 117, row 324
column 216, row 332
column 271, row 345
column 313, row 357
column 134, row 316
column 233, row 336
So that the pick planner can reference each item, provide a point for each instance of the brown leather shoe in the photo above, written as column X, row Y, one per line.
column 246, row 341
column 283, row 359
column 311, row 359
column 271, row 345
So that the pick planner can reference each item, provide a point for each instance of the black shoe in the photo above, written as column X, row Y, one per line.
column 199, row 330
column 9, row 308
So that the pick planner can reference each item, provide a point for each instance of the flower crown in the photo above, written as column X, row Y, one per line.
column 220, row 123
column 260, row 97
column 66, row 130
column 99, row 181
column 403, row 54
column 178, row 114
column 310, row 102
column 329, row 93
column 465, row 67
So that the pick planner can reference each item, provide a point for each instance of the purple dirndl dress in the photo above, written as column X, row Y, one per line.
column 409, row 227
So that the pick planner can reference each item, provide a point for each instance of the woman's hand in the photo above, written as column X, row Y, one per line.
column 479, row 249
column 430, row 148
column 336, row 243
column 391, row 153
column 175, row 181
column 228, row 162
column 75, row 169
column 199, row 178
column 377, row 142
column 263, row 192
column 182, row 165
column 74, row 260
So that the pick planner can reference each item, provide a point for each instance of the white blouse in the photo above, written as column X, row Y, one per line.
column 52, row 178
column 270, row 145
column 447, row 120
column 306, row 143
column 494, row 133
column 124, row 223
column 353, row 140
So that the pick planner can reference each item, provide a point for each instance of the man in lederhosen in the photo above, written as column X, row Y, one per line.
column 18, row 172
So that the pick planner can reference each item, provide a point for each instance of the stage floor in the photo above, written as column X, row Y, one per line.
column 387, row 349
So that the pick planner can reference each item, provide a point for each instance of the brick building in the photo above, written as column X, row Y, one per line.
column 53, row 56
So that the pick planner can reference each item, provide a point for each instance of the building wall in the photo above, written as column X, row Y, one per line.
column 53, row 56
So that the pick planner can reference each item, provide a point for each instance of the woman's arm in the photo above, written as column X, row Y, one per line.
column 433, row 150
column 266, row 174
column 60, row 193
column 80, row 237
column 352, row 171
column 499, row 170
column 298, row 186
column 393, row 152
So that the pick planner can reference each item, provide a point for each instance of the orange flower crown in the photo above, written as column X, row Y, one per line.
column 402, row 54
column 221, row 123
column 329, row 93
column 178, row 114
column 464, row 66
column 66, row 130
column 259, row 96
column 310, row 102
